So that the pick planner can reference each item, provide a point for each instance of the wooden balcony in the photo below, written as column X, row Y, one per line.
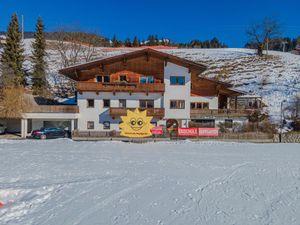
column 200, row 113
column 53, row 109
column 120, row 87
column 155, row 112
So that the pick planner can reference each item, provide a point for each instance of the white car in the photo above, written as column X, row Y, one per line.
column 2, row 129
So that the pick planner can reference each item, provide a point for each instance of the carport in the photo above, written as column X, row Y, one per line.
column 34, row 121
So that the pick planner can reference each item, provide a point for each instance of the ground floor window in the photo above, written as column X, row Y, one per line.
column 90, row 125
column 106, row 125
column 205, row 123
column 177, row 104
column 228, row 123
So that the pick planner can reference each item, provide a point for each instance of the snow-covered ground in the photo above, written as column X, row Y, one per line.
column 208, row 183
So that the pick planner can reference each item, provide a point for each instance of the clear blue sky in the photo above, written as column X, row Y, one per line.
column 180, row 21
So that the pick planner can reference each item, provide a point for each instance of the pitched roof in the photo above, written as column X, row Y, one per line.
column 148, row 52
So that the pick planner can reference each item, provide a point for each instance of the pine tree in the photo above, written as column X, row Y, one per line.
column 12, row 57
column 115, row 42
column 39, row 81
column 127, row 43
column 136, row 42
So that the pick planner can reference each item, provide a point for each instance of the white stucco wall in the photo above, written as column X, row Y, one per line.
column 212, row 100
column 98, row 114
column 177, row 92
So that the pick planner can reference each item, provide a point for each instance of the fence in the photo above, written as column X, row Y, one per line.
column 249, row 136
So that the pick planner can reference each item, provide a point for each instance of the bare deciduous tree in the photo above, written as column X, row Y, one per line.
column 12, row 102
column 261, row 33
column 75, row 46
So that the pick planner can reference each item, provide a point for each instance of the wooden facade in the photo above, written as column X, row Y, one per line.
column 155, row 112
column 120, row 87
column 53, row 109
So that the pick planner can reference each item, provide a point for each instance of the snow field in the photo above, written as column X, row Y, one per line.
column 66, row 182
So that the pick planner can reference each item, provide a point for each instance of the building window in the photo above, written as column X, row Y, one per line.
column 199, row 105
column 177, row 80
column 90, row 125
column 143, row 80
column 177, row 104
column 122, row 103
column 90, row 103
column 150, row 79
column 106, row 125
column 123, row 78
column 103, row 79
column 106, row 103
column 205, row 105
column 228, row 123
column 106, row 79
column 147, row 80
column 99, row 79
column 147, row 104
column 205, row 123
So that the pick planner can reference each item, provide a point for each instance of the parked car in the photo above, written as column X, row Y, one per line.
column 2, row 129
column 48, row 133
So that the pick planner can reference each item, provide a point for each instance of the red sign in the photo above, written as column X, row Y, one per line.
column 188, row 132
column 208, row 132
column 157, row 130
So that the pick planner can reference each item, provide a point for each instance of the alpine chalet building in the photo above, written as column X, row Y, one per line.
column 170, row 88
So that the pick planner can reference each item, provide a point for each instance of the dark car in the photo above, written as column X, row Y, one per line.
column 47, row 133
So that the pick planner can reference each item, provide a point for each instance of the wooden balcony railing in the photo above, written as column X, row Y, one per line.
column 120, row 87
column 53, row 109
column 155, row 112
column 198, row 113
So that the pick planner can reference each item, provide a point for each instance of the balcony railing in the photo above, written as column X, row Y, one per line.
column 120, row 87
column 53, row 109
column 155, row 112
column 198, row 113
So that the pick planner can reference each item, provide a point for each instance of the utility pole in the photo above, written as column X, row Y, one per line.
column 267, row 46
column 22, row 29
column 284, row 43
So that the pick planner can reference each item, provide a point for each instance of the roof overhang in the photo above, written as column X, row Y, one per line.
column 72, row 71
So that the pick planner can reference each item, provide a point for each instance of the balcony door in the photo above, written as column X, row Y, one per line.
column 146, row 104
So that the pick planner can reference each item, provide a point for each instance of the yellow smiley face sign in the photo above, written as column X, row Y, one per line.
column 136, row 124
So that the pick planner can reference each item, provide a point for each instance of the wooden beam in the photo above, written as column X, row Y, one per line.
column 124, row 62
column 147, row 56
column 166, row 61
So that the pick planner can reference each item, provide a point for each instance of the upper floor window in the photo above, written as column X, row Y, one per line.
column 123, row 78
column 147, row 80
column 90, row 103
column 177, row 104
column 177, row 80
column 122, row 103
column 106, row 103
column 103, row 79
column 146, row 104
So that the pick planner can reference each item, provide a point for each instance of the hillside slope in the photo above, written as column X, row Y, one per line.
column 275, row 77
